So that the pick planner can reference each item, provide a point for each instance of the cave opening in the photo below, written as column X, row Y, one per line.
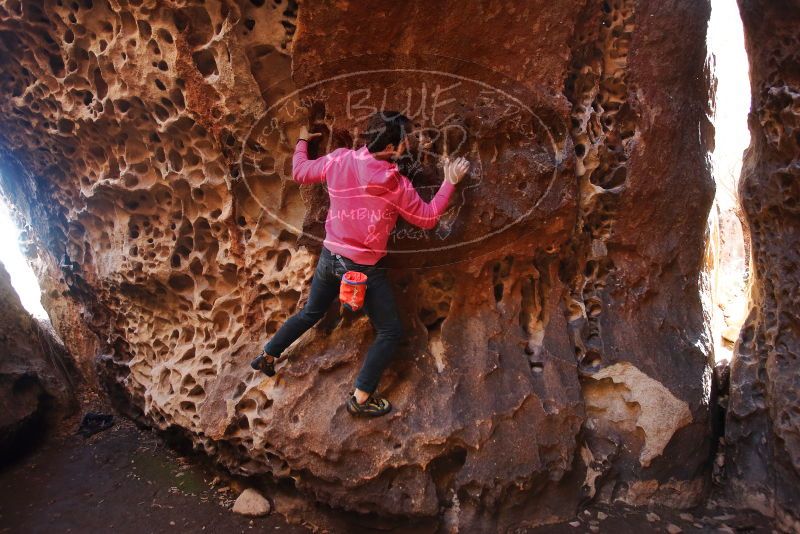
column 23, row 278
column 727, row 257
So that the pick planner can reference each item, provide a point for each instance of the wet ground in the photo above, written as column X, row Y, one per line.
column 122, row 480
column 127, row 480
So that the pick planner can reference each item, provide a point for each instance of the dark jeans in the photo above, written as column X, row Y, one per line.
column 379, row 303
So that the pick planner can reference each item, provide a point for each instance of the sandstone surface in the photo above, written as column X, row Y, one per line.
column 37, row 380
column 148, row 145
column 763, row 418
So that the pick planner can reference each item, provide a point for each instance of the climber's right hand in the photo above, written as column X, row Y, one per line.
column 305, row 136
column 455, row 169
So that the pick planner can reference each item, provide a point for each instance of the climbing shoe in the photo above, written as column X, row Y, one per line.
column 264, row 363
column 373, row 407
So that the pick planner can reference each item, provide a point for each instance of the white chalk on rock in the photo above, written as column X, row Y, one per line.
column 251, row 503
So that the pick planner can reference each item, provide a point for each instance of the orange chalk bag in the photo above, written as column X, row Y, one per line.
column 352, row 290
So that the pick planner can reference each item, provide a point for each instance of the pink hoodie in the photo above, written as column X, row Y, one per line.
column 367, row 195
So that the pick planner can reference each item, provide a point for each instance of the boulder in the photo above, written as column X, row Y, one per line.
column 148, row 145
column 762, row 428
column 36, row 375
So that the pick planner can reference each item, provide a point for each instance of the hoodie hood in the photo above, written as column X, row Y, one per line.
column 379, row 176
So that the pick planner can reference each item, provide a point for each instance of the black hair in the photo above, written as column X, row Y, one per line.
column 386, row 128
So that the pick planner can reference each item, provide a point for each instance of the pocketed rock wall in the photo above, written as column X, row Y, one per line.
column 763, row 419
column 556, row 351
column 36, row 375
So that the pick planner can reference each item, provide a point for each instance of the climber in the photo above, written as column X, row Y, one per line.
column 69, row 270
column 367, row 193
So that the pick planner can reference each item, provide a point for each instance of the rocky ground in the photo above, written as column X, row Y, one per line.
column 623, row 520
column 120, row 480
column 128, row 480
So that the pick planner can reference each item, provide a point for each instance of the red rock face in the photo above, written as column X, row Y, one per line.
column 763, row 422
column 556, row 350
